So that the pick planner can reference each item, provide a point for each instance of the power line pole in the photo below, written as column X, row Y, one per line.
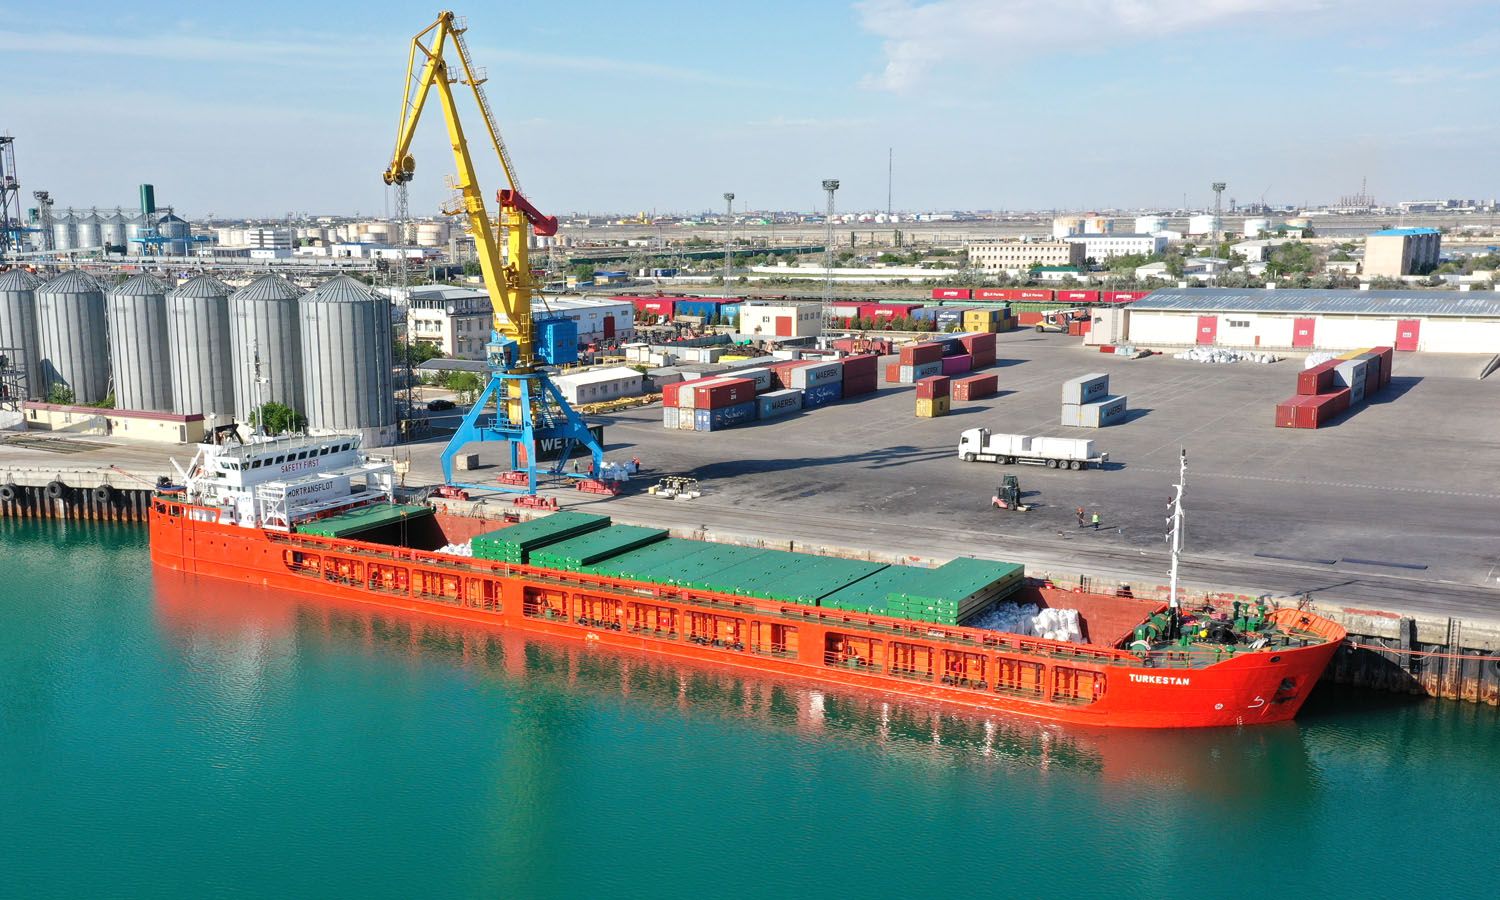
column 830, row 185
column 728, row 233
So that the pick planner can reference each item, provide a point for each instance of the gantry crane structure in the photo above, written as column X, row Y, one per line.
column 520, row 404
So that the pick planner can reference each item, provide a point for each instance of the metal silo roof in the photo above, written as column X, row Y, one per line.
column 340, row 289
column 202, row 286
column 19, row 280
column 139, row 286
column 1473, row 304
column 268, row 287
column 73, row 282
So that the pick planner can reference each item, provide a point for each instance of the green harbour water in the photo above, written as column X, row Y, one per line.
column 163, row 736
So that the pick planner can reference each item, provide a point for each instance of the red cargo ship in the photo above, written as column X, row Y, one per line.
column 245, row 513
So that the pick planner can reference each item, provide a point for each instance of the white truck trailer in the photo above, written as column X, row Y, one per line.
column 980, row 445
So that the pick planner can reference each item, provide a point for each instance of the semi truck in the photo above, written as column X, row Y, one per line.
column 982, row 445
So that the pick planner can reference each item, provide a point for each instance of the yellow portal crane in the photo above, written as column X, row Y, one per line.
column 507, row 277
column 520, row 405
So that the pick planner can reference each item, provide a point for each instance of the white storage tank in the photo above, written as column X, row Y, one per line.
column 1150, row 224
column 346, row 358
column 265, row 346
column 1254, row 228
column 18, row 330
column 198, row 334
column 139, row 360
column 73, row 337
column 1203, row 224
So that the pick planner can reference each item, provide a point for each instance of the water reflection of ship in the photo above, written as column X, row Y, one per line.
column 1228, row 764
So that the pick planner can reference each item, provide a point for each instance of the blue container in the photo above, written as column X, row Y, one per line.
column 779, row 403
column 723, row 417
column 822, row 394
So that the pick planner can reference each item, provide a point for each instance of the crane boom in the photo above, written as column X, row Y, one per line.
column 507, row 275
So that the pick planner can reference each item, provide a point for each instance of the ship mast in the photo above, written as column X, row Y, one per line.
column 1174, row 608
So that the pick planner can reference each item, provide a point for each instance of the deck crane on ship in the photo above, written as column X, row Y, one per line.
column 520, row 404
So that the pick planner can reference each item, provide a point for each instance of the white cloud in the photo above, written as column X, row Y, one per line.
column 922, row 36
column 179, row 47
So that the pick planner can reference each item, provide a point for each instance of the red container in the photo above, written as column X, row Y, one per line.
column 1372, row 381
column 1296, row 412
column 983, row 360
column 887, row 310
column 920, row 354
column 933, row 388
column 1318, row 379
column 957, row 365
column 996, row 294
column 1078, row 296
column 781, row 372
column 858, row 367
column 950, row 293
column 728, row 392
column 978, row 343
column 1123, row 296
column 659, row 306
column 669, row 393
column 1029, row 318
column 1387, row 358
column 893, row 373
column 975, row 387
column 1330, row 405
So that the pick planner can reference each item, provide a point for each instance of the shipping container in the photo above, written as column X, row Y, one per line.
column 1317, row 380
column 887, row 310
column 957, row 365
column 933, row 387
column 1123, row 296
column 822, row 394
column 1080, row 297
column 775, row 404
column 1029, row 318
column 1085, row 388
column 844, row 310
column 893, row 373
column 661, row 307
column 918, row 354
column 1311, row 410
column 669, row 417
column 1094, row 415
column 942, row 293
column 669, row 393
column 804, row 377
column 762, row 377
column 1387, row 358
column 724, row 392
column 975, row 387
column 914, row 374
column 937, row 406
column 723, row 416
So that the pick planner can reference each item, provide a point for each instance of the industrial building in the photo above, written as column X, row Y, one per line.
column 455, row 320
column 1019, row 256
column 1099, row 247
column 1395, row 252
column 598, row 319
column 780, row 320
column 136, row 425
column 600, row 385
column 1431, row 321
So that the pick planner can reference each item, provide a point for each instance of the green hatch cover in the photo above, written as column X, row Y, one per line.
column 356, row 521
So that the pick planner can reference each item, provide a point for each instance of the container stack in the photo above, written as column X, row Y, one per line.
column 915, row 362
column 821, row 383
column 1087, row 402
column 1328, row 388
column 778, row 389
column 861, row 374
column 947, row 354
column 933, row 397
column 516, row 543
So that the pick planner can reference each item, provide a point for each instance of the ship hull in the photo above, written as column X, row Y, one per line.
column 1094, row 686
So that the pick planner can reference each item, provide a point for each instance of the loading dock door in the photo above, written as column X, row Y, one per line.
column 1302, row 332
column 1407, row 333
column 1208, row 329
column 783, row 326
column 609, row 326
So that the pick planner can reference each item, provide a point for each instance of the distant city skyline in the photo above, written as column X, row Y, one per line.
column 260, row 110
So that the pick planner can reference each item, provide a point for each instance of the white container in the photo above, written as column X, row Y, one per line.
column 1086, row 388
column 1094, row 415
column 669, row 417
column 762, row 378
column 805, row 377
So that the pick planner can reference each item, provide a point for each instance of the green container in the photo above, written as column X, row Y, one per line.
column 595, row 546
column 515, row 544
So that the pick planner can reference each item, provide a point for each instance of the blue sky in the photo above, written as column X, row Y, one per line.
column 273, row 107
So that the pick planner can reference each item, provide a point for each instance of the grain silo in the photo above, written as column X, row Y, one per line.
column 18, row 332
column 65, row 231
column 264, row 348
column 176, row 234
column 346, row 359
column 112, row 230
column 73, row 337
column 198, row 334
column 138, row 358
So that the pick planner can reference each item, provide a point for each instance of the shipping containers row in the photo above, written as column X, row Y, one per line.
column 713, row 404
column 952, row 354
column 1335, row 386
column 727, row 309
column 1035, row 295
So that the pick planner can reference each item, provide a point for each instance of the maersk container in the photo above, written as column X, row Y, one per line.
column 774, row 404
column 914, row 374
column 1093, row 415
column 822, row 394
column 1349, row 372
column 1086, row 388
column 805, row 377
column 763, row 378
column 723, row 417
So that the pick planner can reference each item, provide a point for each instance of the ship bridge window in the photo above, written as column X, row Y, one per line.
column 280, row 459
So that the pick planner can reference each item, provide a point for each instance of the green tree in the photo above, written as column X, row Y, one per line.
column 61, row 394
column 278, row 418
column 466, row 384
column 1292, row 258
column 472, row 267
column 414, row 352
column 1175, row 264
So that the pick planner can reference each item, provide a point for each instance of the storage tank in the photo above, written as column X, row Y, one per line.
column 18, row 332
column 176, row 231
column 1098, row 225
column 1150, row 224
column 346, row 358
column 65, row 231
column 263, row 327
column 112, row 229
column 139, row 360
column 90, row 231
column 432, row 234
column 73, row 336
column 1205, row 224
column 136, row 227
column 198, row 334
column 1256, row 227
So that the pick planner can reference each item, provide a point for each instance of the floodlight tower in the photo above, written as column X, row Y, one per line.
column 1218, row 187
column 830, row 185
column 728, row 234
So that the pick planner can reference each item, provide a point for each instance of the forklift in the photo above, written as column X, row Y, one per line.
column 1058, row 322
column 1008, row 495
